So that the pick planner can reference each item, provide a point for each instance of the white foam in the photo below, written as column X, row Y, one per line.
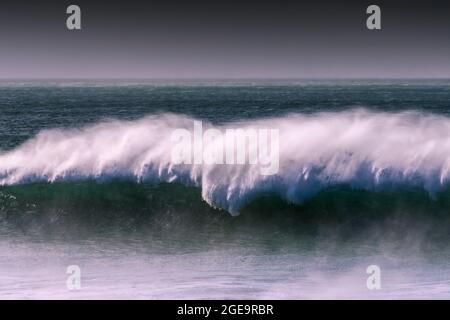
column 361, row 148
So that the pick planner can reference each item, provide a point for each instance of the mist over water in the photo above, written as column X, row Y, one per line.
column 87, row 179
column 218, row 256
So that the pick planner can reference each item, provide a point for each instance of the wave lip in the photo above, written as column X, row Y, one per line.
column 363, row 149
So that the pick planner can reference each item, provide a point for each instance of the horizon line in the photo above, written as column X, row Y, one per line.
column 215, row 78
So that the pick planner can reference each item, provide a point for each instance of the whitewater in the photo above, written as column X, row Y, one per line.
column 363, row 149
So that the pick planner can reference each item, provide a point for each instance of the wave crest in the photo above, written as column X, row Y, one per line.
column 363, row 149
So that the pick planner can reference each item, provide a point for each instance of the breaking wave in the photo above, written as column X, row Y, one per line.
column 359, row 149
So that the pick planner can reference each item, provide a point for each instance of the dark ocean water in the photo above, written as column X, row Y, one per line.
column 363, row 178
column 29, row 107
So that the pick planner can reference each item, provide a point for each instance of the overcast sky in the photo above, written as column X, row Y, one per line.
column 224, row 39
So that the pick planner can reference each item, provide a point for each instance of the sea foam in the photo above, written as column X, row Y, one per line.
column 360, row 148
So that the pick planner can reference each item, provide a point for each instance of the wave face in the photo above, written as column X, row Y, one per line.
column 358, row 148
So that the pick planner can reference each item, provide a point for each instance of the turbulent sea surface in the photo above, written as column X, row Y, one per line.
column 86, row 179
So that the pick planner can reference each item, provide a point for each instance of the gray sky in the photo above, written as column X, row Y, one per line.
column 232, row 39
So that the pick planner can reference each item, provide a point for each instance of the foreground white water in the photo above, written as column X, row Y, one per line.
column 364, row 149
column 129, row 270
